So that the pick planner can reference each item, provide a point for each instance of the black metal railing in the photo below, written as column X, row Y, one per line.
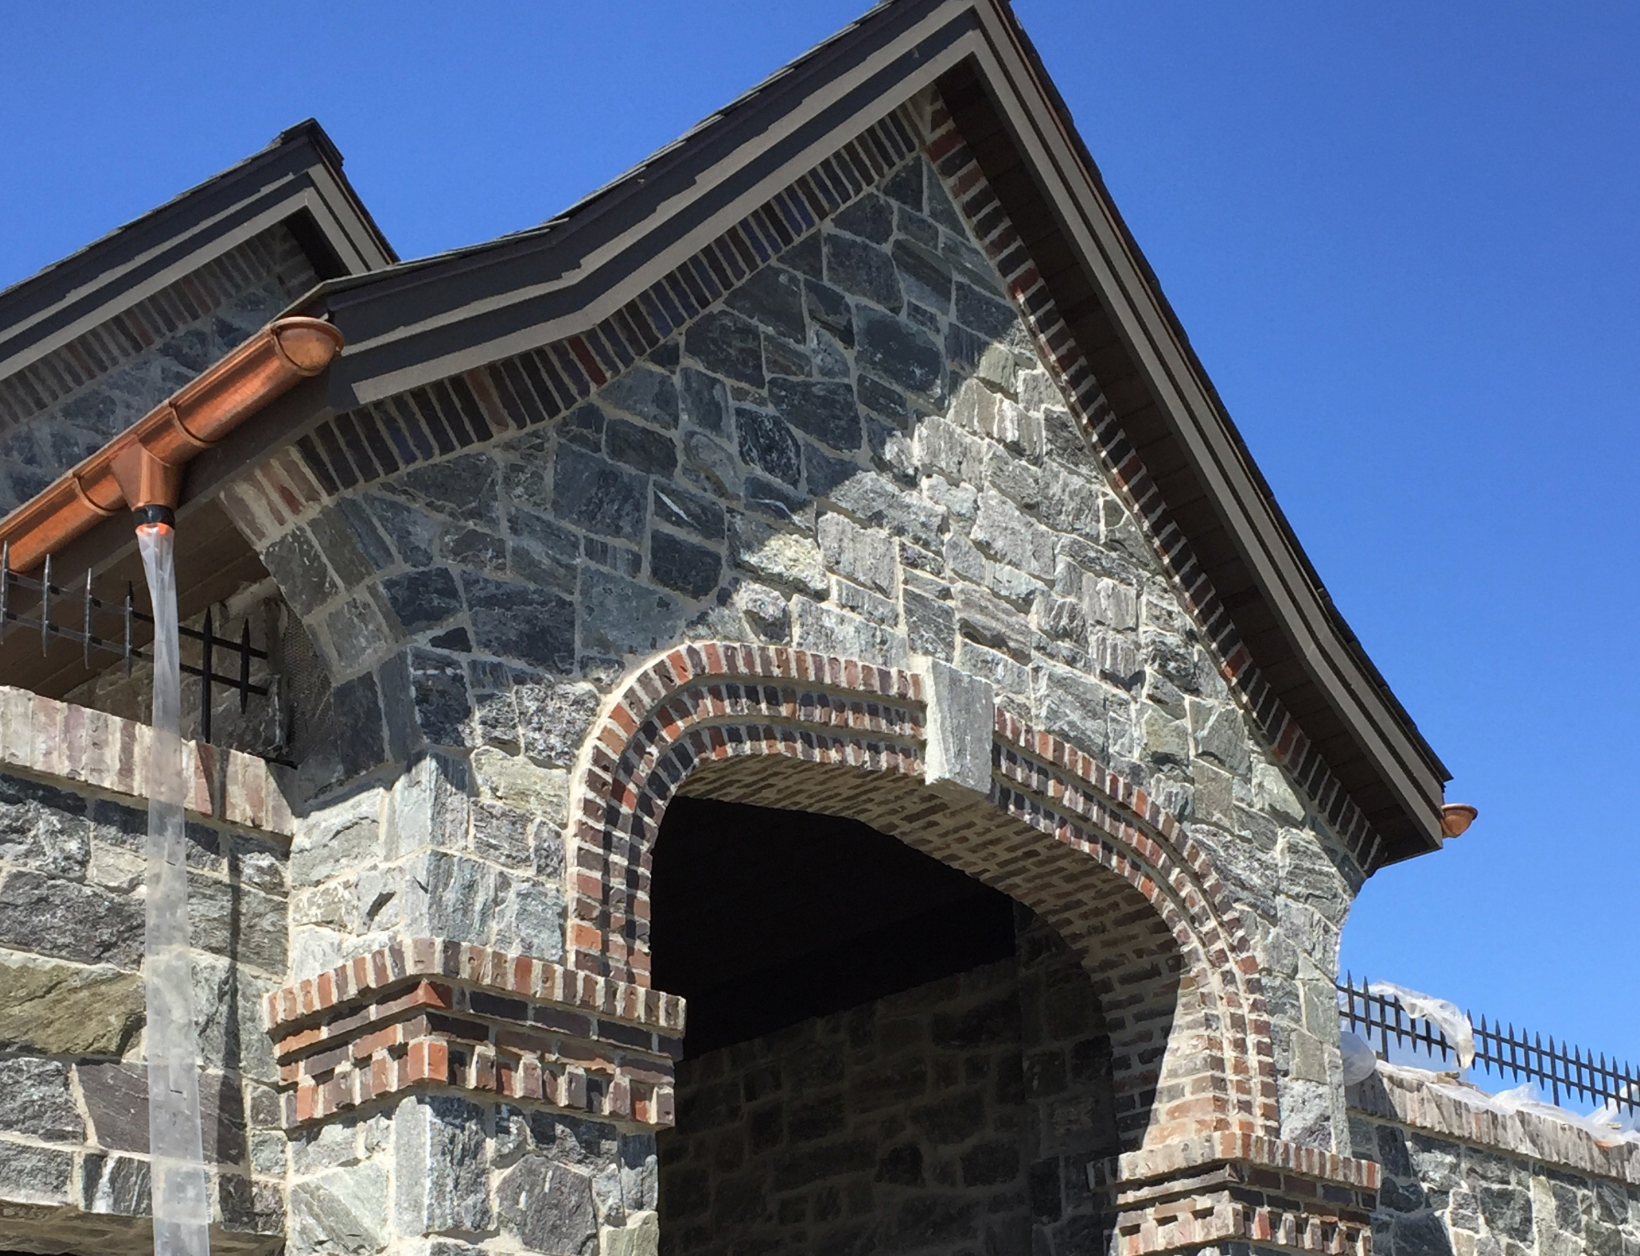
column 35, row 604
column 1561, row 1069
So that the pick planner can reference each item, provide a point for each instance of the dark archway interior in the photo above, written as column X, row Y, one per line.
column 763, row 918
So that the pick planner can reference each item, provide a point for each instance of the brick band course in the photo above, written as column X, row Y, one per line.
column 49, row 738
column 431, row 1012
column 1230, row 1188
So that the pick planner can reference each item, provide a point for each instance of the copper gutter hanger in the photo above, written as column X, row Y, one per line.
column 141, row 468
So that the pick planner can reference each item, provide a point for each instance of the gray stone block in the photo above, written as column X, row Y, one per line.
column 960, row 725
column 831, row 631
column 440, row 1167
column 34, row 1175
column 547, row 1206
column 773, row 297
column 67, row 920
column 35, row 1100
column 767, row 443
column 119, row 1186
column 645, row 392
column 902, row 353
column 824, row 410
column 599, row 496
column 861, row 270
column 727, row 345
column 519, row 622
column 621, row 616
column 703, row 400
column 340, row 1213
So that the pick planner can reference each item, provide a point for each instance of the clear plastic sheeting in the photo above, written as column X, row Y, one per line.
column 1438, row 1012
column 1605, row 1123
column 1620, row 1117
column 1359, row 1061
column 181, row 1201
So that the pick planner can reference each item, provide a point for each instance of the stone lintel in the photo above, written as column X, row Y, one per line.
column 434, row 1013
column 1231, row 1187
column 959, row 726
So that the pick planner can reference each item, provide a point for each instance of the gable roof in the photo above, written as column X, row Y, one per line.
column 297, row 180
column 418, row 322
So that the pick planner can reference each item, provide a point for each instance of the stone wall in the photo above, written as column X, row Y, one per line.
column 1462, row 1178
column 932, row 1120
column 857, row 451
column 73, row 401
column 73, row 1086
column 444, row 1165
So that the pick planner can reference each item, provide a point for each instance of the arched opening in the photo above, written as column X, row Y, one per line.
column 1126, row 917
column 883, row 1053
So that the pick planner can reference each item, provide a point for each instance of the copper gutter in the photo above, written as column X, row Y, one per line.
column 141, row 468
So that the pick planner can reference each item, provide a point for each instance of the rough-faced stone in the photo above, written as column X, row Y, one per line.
column 621, row 616
column 34, row 1175
column 649, row 394
column 35, row 1100
column 862, row 270
column 64, row 1010
column 961, row 719
column 727, row 345
column 773, row 296
column 554, row 717
column 767, row 443
column 826, row 411
column 688, row 512
column 599, row 496
column 702, row 400
column 423, row 599
column 684, row 566
column 358, row 715
column 297, row 564
column 641, row 448
column 925, row 274
column 519, row 622
column 341, row 1213
column 870, row 217
column 900, row 352
column 548, row 1207
column 66, row 920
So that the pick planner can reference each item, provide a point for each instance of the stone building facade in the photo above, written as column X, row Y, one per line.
column 779, row 737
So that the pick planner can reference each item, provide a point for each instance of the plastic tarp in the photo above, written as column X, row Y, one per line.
column 1359, row 1061
column 1438, row 1012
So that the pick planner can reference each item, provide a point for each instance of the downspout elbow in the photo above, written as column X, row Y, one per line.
column 142, row 467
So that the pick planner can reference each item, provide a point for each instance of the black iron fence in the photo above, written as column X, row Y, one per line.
column 104, row 628
column 1561, row 1069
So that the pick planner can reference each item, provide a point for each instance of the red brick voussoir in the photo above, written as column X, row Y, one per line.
column 1060, row 832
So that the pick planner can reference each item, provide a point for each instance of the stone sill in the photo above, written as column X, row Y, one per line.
column 1419, row 1100
column 61, row 741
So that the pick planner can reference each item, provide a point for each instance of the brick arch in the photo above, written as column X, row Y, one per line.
column 1115, row 875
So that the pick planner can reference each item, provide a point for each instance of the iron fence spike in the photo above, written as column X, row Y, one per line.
column 45, row 606
column 130, row 600
column 86, row 646
column 205, row 679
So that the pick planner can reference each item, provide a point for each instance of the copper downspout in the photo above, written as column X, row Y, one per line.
column 141, row 468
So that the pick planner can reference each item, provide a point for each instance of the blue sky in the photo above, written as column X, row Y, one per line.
column 1402, row 238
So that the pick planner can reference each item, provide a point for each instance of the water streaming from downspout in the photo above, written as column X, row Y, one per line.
column 181, row 1200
